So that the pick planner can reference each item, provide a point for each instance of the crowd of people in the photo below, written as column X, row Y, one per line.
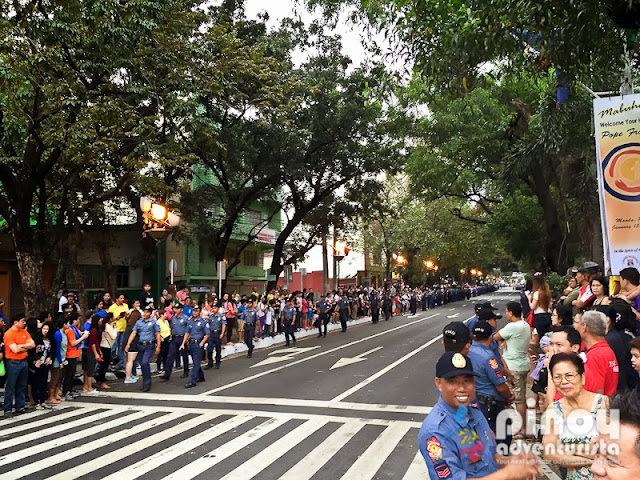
column 565, row 363
column 42, row 355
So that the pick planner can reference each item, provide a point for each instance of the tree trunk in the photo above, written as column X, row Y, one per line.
column 336, row 280
column 387, row 268
column 73, row 244
column 30, row 266
column 553, row 244
column 325, row 262
column 108, row 273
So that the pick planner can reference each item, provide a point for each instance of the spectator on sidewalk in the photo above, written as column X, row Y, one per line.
column 120, row 312
column 17, row 343
column 601, row 367
column 517, row 335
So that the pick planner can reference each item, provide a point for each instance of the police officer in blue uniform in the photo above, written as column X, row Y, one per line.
column 324, row 315
column 492, row 390
column 250, row 317
column 198, row 333
column 387, row 305
column 148, row 330
column 485, row 307
column 343, row 310
column 179, row 324
column 218, row 326
column 455, row 439
column 456, row 338
column 289, row 314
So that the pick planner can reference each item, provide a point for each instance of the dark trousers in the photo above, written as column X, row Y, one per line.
column 161, row 361
column 15, row 385
column 39, row 385
column 289, row 328
column 104, row 365
column 214, row 343
column 249, row 332
column 69, row 373
column 387, row 313
column 174, row 351
column 491, row 413
column 375, row 315
column 542, row 322
column 343, row 322
column 424, row 304
column 196, row 356
column 323, row 319
column 231, row 324
column 144, row 353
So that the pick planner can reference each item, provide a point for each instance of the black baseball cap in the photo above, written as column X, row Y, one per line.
column 484, row 306
column 452, row 364
column 482, row 330
column 589, row 267
column 457, row 333
column 486, row 315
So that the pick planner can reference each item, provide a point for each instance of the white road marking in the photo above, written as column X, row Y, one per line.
column 417, row 470
column 262, row 460
column 88, row 466
column 455, row 315
column 385, row 370
column 452, row 309
column 290, row 354
column 63, row 456
column 166, row 455
column 291, row 364
column 286, row 402
column 202, row 464
column 47, row 419
column 367, row 464
column 343, row 362
column 319, row 456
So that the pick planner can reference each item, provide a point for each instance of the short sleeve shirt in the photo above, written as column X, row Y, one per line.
column 601, row 369
column 488, row 372
column 147, row 330
column 198, row 328
column 179, row 324
column 72, row 336
column 517, row 335
column 121, row 323
column 13, row 337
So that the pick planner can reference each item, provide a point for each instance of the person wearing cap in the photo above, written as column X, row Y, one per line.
column 374, row 305
column 492, row 391
column 289, row 313
column 323, row 315
column 586, row 273
column 621, row 321
column 179, row 324
column 456, row 338
column 455, row 439
column 477, row 308
column 198, row 332
column 218, row 328
column 149, row 332
column 250, row 319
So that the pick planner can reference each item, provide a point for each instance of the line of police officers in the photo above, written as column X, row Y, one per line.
column 457, row 439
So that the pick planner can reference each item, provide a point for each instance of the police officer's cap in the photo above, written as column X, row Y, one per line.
column 452, row 364
column 456, row 332
column 148, row 308
column 486, row 315
column 196, row 307
column 178, row 305
column 482, row 330
column 589, row 267
column 484, row 306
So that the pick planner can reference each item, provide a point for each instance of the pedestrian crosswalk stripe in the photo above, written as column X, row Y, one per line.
column 202, row 464
column 317, row 458
column 417, row 469
column 371, row 460
column 170, row 453
column 58, row 442
column 10, row 431
column 90, row 465
column 260, row 461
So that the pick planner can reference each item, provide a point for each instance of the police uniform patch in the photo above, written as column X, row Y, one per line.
column 434, row 449
column 442, row 469
column 493, row 363
column 458, row 361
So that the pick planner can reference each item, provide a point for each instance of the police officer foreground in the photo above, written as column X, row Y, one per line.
column 455, row 439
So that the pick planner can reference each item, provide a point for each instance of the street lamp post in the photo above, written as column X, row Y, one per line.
column 158, row 220
column 340, row 250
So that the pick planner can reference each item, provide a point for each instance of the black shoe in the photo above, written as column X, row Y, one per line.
column 164, row 379
column 344, row 330
column 249, row 355
column 325, row 334
column 19, row 412
column 319, row 335
column 217, row 366
column 185, row 375
column 200, row 380
column 286, row 344
column 207, row 367
column 190, row 385
column 146, row 388
column 7, row 415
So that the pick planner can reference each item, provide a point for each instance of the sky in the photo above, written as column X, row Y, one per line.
column 351, row 46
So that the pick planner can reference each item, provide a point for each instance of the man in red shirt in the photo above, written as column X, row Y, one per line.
column 601, row 367
column 17, row 341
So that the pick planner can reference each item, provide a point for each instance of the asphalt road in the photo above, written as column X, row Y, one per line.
column 345, row 406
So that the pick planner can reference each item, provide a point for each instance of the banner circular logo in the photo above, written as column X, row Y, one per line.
column 621, row 172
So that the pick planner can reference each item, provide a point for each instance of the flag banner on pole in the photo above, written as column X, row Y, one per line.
column 617, row 130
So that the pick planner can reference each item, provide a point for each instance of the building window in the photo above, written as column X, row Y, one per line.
column 92, row 276
column 122, row 276
column 251, row 258
column 253, row 218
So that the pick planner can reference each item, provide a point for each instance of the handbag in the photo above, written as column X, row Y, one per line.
column 530, row 317
column 3, row 371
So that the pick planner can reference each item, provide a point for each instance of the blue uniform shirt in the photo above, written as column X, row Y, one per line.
column 487, row 370
column 147, row 330
column 216, row 321
column 198, row 328
column 457, row 448
column 179, row 324
column 289, row 313
column 323, row 307
column 471, row 322
column 250, row 316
